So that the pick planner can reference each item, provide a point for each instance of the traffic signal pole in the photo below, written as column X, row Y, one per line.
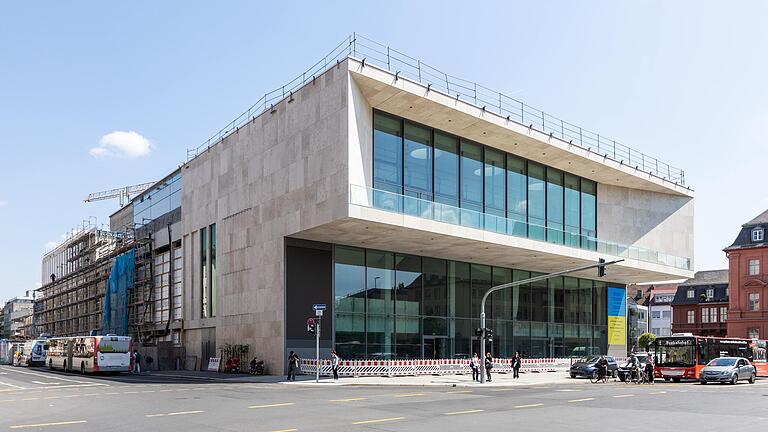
column 600, row 265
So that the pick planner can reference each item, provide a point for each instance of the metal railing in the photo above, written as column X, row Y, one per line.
column 372, row 53
column 402, row 204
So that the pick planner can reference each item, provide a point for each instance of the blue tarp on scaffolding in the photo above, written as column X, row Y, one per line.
column 115, row 319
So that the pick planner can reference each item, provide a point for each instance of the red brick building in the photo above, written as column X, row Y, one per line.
column 747, row 260
column 700, row 305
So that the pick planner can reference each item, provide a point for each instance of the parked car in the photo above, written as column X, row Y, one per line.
column 728, row 369
column 587, row 366
column 623, row 371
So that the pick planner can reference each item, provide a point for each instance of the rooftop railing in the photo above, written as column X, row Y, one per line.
column 372, row 53
column 422, row 208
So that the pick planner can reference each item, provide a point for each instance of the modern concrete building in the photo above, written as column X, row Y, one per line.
column 15, row 314
column 748, row 278
column 397, row 200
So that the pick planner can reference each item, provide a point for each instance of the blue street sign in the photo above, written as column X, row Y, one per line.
column 317, row 307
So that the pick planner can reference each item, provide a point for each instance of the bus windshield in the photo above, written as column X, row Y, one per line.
column 676, row 356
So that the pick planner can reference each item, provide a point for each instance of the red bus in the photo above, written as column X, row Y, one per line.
column 681, row 357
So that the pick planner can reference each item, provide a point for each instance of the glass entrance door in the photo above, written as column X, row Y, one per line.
column 435, row 347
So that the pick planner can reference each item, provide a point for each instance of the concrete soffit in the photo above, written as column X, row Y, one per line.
column 414, row 101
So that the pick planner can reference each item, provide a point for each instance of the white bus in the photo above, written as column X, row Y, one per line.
column 33, row 353
column 90, row 354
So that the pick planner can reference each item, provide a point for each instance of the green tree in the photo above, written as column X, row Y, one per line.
column 645, row 340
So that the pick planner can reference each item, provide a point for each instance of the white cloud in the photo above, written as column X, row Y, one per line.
column 122, row 144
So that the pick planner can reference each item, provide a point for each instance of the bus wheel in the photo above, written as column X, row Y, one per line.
column 677, row 380
column 752, row 378
column 82, row 368
column 666, row 379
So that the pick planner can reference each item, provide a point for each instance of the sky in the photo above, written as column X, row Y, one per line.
column 99, row 95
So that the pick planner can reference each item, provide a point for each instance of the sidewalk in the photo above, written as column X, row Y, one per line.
column 498, row 379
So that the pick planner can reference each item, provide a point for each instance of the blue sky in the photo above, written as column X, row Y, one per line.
column 682, row 81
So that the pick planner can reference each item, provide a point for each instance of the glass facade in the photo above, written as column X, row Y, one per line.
column 390, row 305
column 159, row 200
column 485, row 187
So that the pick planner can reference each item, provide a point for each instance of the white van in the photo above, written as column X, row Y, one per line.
column 33, row 353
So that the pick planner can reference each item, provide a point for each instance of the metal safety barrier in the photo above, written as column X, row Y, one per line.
column 391, row 368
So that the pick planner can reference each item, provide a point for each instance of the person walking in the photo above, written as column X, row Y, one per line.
column 136, row 362
column 474, row 363
column 649, row 369
column 488, row 365
column 516, row 363
column 293, row 364
column 335, row 360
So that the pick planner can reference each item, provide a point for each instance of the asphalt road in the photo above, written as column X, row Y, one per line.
column 36, row 399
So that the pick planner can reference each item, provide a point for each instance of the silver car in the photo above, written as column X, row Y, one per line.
column 728, row 369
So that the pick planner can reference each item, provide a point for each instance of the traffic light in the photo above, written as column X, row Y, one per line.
column 479, row 331
column 601, row 269
column 311, row 326
column 489, row 334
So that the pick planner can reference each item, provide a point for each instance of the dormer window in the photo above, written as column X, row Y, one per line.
column 690, row 294
column 710, row 293
column 758, row 234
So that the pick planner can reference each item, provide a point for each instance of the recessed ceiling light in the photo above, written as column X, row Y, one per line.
column 410, row 106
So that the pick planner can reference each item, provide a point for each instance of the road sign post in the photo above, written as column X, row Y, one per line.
column 319, row 308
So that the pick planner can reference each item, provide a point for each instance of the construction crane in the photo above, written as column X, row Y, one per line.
column 123, row 193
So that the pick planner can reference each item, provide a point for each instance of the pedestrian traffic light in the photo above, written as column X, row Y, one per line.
column 601, row 269
column 311, row 326
column 489, row 333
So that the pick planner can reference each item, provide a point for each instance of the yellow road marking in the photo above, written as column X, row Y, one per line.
column 378, row 421
column 8, row 400
column 28, row 399
column 409, row 394
column 503, row 389
column 623, row 396
column 49, row 424
column 581, row 400
column 272, row 405
column 459, row 391
column 348, row 400
column 463, row 412
column 529, row 406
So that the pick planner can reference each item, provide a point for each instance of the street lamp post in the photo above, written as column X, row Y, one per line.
column 601, row 264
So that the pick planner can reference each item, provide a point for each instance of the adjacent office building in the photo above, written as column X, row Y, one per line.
column 700, row 305
column 397, row 203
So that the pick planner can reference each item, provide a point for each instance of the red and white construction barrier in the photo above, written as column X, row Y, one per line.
column 389, row 368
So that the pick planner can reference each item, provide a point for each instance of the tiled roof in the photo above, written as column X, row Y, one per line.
column 744, row 238
column 708, row 277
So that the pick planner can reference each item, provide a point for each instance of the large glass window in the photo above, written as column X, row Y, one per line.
column 459, row 289
column 572, row 210
column 349, row 279
column 212, row 263
column 387, row 162
column 418, row 170
column 471, row 184
column 517, row 190
column 588, row 214
column 446, row 177
column 536, row 202
column 481, row 282
column 380, row 281
column 754, row 301
column 408, row 282
column 495, row 191
column 435, row 288
column 205, row 299
column 554, row 205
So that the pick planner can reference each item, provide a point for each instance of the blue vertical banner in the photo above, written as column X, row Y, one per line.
column 617, row 316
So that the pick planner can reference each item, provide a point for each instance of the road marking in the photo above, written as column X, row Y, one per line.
column 148, row 391
column 409, row 394
column 52, row 397
column 529, row 406
column 272, row 405
column 285, row 430
column 348, row 400
column 459, row 391
column 45, row 383
column 8, row 400
column 167, row 390
column 12, row 385
column 111, row 394
column 463, row 412
column 660, row 392
column 48, row 376
column 378, row 420
column 581, row 400
column 503, row 389
column 29, row 399
column 623, row 396
column 49, row 424
column 131, row 392
column 174, row 414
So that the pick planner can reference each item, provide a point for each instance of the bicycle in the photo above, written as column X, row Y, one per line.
column 598, row 376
